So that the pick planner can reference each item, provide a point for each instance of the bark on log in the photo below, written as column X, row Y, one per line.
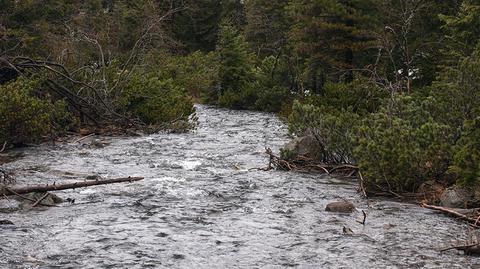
column 451, row 212
column 65, row 186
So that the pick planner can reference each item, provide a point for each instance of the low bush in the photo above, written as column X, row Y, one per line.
column 272, row 94
column 197, row 72
column 360, row 97
column 27, row 115
column 395, row 156
column 467, row 154
column 155, row 101
column 334, row 131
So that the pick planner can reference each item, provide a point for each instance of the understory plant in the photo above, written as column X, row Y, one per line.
column 154, row 100
column 28, row 115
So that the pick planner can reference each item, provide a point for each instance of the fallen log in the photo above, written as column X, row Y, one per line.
column 65, row 186
column 452, row 212
column 469, row 249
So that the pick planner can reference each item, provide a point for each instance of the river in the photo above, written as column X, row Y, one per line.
column 203, row 204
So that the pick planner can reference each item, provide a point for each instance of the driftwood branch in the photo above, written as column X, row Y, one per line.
column 302, row 163
column 469, row 249
column 3, row 147
column 57, row 187
column 364, row 218
column 452, row 212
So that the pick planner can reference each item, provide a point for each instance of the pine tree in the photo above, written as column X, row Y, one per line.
column 196, row 25
column 331, row 36
column 463, row 29
column 235, row 60
column 267, row 26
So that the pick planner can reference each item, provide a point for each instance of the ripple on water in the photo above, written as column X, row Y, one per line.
column 201, row 205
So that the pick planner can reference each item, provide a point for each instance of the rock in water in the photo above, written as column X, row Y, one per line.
column 306, row 146
column 5, row 222
column 458, row 197
column 340, row 207
column 51, row 199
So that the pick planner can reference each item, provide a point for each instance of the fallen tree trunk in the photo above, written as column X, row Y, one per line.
column 469, row 249
column 65, row 186
column 453, row 213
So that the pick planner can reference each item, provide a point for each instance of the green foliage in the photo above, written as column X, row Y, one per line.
column 272, row 94
column 455, row 97
column 398, row 154
column 327, row 34
column 196, row 24
column 155, row 101
column 267, row 26
column 236, row 62
column 334, row 130
column 360, row 97
column 463, row 29
column 467, row 154
column 26, row 117
column 197, row 72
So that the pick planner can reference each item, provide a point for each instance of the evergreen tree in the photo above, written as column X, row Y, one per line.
column 463, row 30
column 331, row 37
column 267, row 26
column 196, row 25
column 235, row 60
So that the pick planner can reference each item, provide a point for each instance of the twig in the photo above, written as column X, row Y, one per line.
column 364, row 218
column 40, row 200
column 362, row 186
column 24, row 197
column 463, row 247
column 4, row 146
column 82, row 138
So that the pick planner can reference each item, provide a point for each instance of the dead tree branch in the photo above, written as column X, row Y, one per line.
column 65, row 186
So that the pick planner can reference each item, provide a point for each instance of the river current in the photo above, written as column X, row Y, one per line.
column 203, row 204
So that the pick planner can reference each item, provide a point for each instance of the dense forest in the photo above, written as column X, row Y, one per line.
column 389, row 85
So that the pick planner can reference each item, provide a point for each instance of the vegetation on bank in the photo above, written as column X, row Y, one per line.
column 390, row 86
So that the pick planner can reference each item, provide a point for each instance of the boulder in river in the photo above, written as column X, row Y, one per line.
column 6, row 222
column 340, row 207
column 459, row 197
column 301, row 146
column 50, row 200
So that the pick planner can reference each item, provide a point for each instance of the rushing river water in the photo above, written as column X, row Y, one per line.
column 201, row 205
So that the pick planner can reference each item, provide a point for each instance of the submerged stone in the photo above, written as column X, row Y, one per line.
column 51, row 199
column 340, row 207
column 458, row 197
column 6, row 222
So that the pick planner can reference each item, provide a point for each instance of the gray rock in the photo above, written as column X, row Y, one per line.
column 301, row 146
column 340, row 207
column 51, row 199
column 457, row 197
column 6, row 222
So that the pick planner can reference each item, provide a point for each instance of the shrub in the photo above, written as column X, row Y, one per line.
column 155, row 101
column 467, row 154
column 455, row 97
column 240, row 99
column 27, row 117
column 197, row 72
column 398, row 149
column 334, row 131
column 269, row 84
column 359, row 96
